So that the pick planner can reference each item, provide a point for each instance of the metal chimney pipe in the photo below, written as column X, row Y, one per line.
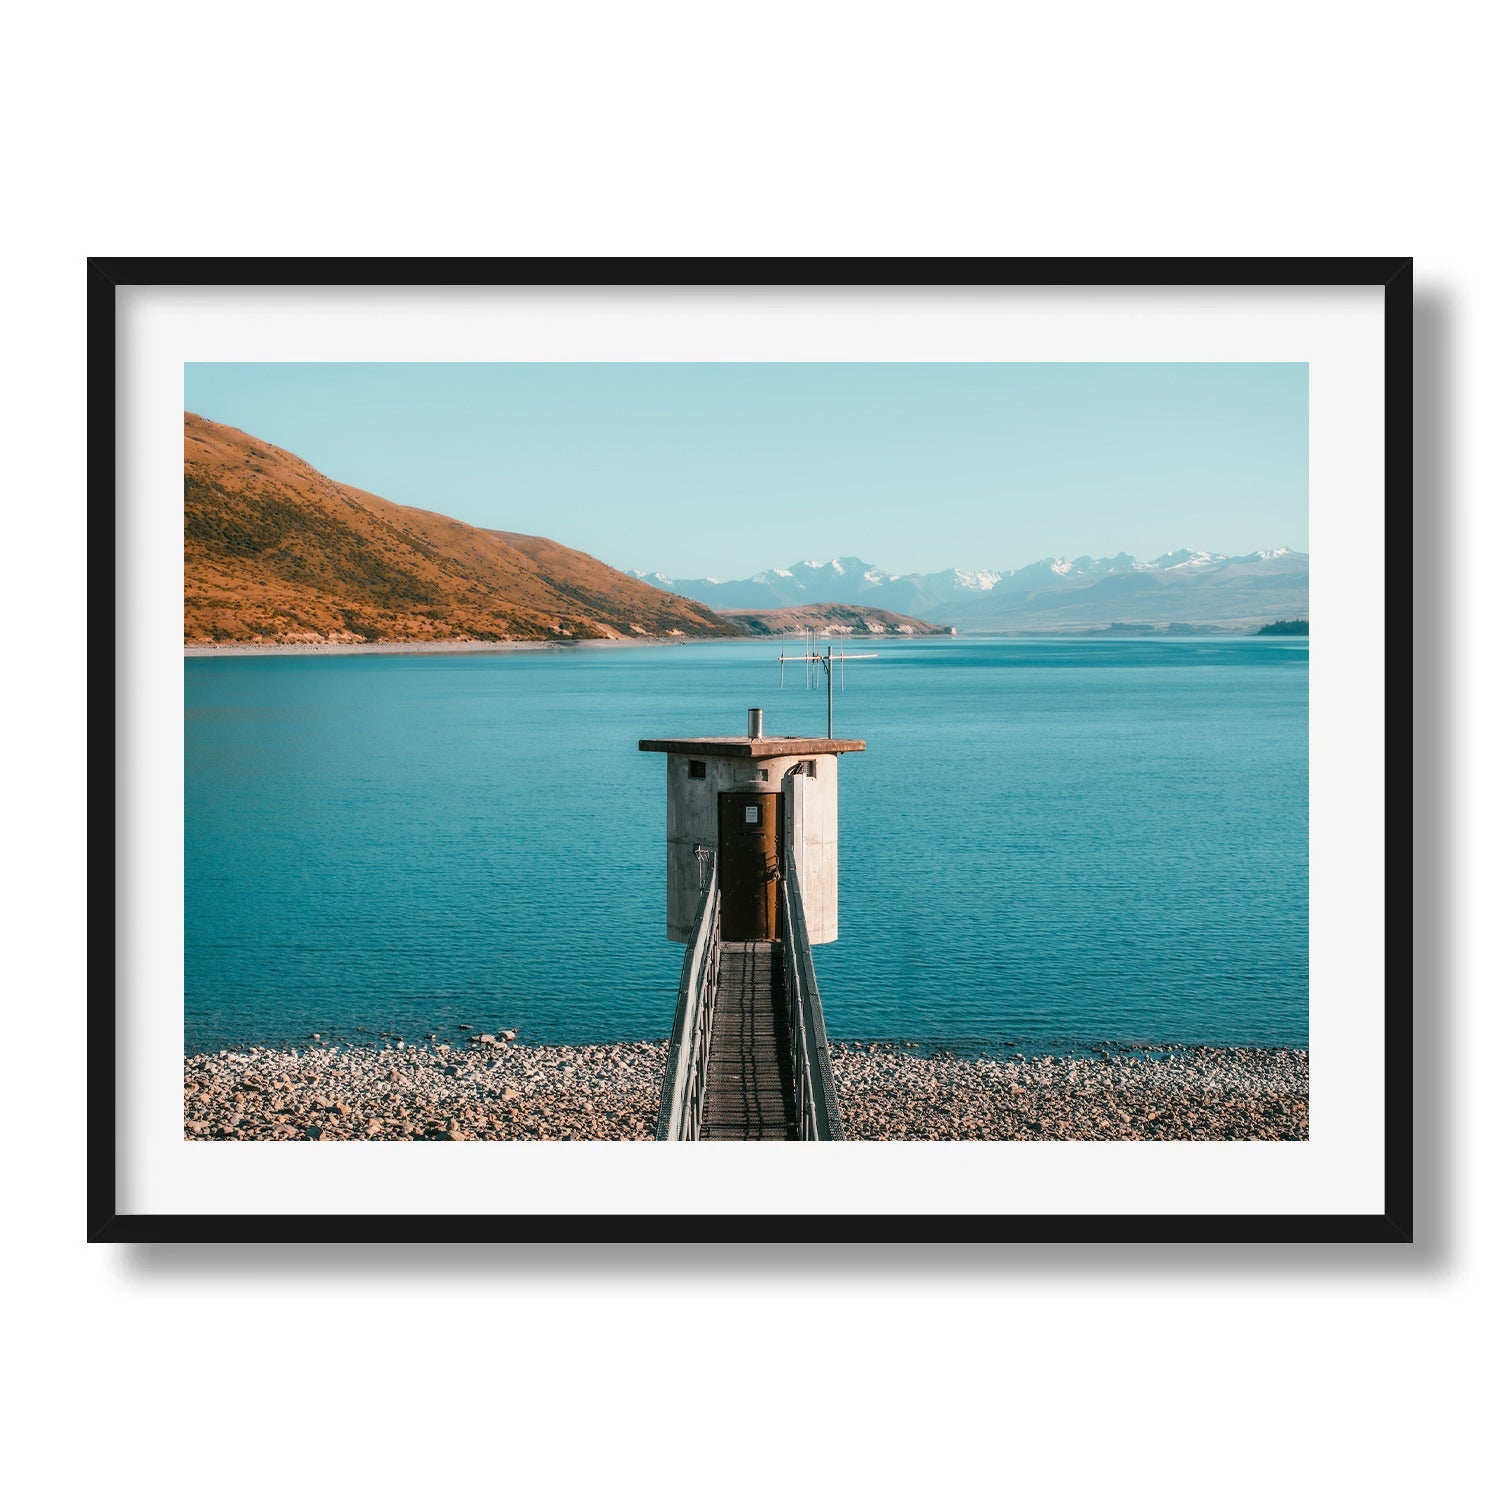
column 756, row 717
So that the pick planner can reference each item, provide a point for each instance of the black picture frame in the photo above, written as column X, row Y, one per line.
column 106, row 1224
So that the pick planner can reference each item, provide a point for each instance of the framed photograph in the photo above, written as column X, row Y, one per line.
column 741, row 750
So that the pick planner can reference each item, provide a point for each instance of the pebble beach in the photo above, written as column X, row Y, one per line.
column 496, row 1089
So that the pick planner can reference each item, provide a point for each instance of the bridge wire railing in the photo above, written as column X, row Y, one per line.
column 818, row 1114
column 680, row 1117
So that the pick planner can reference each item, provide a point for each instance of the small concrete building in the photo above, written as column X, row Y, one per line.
column 744, row 797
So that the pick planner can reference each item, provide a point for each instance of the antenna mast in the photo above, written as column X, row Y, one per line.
column 825, row 659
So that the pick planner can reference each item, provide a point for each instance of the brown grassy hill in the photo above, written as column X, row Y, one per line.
column 276, row 551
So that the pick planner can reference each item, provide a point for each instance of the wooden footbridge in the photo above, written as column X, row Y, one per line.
column 752, row 885
column 748, row 1059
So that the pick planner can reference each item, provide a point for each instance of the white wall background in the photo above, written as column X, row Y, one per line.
column 829, row 129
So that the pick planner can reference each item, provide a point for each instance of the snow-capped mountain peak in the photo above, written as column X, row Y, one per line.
column 983, row 579
column 1187, row 557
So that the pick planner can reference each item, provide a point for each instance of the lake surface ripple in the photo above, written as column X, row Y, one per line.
column 1047, row 842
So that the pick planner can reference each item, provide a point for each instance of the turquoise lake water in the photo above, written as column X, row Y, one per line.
column 1047, row 841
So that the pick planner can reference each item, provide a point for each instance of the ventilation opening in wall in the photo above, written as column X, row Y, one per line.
column 697, row 769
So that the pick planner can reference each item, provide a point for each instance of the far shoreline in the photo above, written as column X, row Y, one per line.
column 473, row 648
column 434, row 648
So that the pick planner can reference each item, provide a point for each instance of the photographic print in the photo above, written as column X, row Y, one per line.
column 874, row 728
column 979, row 692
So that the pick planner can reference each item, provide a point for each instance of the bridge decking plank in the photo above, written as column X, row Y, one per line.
column 749, row 1093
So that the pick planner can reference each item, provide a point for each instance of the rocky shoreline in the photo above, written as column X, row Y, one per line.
column 494, row 1089
column 887, row 1093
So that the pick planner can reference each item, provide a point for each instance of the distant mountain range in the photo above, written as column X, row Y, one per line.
column 1184, row 587
column 274, row 551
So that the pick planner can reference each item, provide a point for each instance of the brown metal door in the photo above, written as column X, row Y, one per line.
column 749, row 864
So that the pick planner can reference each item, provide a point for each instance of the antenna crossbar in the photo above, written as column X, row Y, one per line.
column 825, row 659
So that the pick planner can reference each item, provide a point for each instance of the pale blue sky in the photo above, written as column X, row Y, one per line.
column 724, row 469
